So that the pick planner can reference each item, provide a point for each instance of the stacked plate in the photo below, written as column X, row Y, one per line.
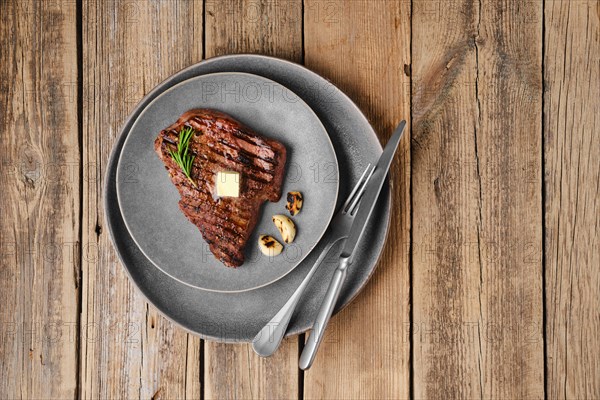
column 329, row 143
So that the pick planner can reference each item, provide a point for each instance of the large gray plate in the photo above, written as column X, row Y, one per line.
column 148, row 199
column 237, row 317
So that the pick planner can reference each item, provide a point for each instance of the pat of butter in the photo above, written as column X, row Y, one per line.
column 228, row 184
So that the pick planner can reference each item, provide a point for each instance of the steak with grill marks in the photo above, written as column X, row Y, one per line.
column 220, row 143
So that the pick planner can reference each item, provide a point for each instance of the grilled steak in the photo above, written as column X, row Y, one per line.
column 221, row 143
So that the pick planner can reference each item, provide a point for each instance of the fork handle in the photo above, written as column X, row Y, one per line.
column 316, row 337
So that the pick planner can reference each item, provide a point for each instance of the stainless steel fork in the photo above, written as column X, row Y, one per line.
column 267, row 341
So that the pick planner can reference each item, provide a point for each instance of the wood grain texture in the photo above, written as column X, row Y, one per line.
column 468, row 210
column 477, row 207
column 572, row 219
column 127, row 349
column 363, row 47
column 39, row 200
column 270, row 27
column 234, row 371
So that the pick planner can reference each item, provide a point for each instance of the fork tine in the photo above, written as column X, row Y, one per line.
column 356, row 188
column 358, row 196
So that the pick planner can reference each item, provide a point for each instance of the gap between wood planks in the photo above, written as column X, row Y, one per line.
column 79, row 33
column 543, row 205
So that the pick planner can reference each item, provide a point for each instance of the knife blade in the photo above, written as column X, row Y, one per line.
column 367, row 204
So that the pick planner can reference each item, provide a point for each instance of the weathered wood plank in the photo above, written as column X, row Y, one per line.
column 234, row 371
column 364, row 48
column 39, row 199
column 272, row 28
column 128, row 47
column 477, row 255
column 572, row 219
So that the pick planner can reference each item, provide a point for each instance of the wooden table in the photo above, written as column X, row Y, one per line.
column 490, row 280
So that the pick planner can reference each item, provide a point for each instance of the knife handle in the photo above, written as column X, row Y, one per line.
column 318, row 332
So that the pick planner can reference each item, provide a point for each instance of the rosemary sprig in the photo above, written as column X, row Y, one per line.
column 181, row 157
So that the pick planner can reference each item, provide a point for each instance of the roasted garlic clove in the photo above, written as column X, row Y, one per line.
column 286, row 227
column 294, row 202
column 269, row 246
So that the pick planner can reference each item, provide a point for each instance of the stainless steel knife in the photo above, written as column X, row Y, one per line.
column 367, row 204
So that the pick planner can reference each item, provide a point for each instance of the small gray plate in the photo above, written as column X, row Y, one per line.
column 237, row 317
column 148, row 199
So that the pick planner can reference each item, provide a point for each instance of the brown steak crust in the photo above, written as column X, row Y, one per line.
column 220, row 143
